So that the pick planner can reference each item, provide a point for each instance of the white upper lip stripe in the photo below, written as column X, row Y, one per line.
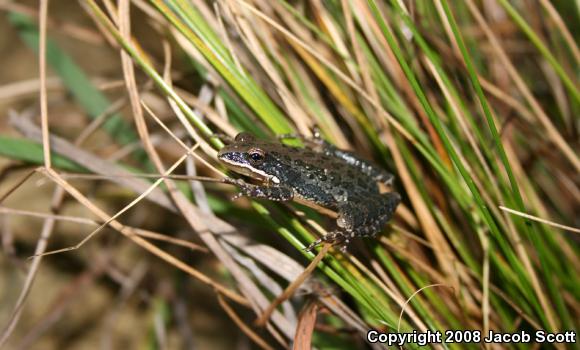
column 274, row 179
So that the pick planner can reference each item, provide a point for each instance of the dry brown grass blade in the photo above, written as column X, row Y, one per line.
column 207, row 149
column 211, row 114
column 92, row 162
column 267, row 284
column 541, row 115
column 289, row 269
column 289, row 291
column 454, row 104
column 48, row 226
column 250, row 37
column 294, row 40
column 66, row 298
column 543, row 221
column 69, row 176
column 11, row 211
column 16, row 185
column 305, row 328
column 243, row 326
column 43, row 92
column 140, row 232
column 411, row 298
column 41, row 246
column 165, row 238
column 404, row 85
column 126, row 208
column 97, row 122
column 392, row 293
column 199, row 221
column 563, row 30
column 425, row 218
column 551, row 131
column 75, row 193
column 25, row 88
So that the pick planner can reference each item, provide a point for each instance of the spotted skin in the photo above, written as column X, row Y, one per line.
column 319, row 145
column 319, row 173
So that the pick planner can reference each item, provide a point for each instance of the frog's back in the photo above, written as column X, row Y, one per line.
column 321, row 178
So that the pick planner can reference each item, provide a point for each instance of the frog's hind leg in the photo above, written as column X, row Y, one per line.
column 351, row 216
column 362, row 217
column 385, row 210
column 366, row 216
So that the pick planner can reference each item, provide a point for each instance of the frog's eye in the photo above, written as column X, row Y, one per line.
column 256, row 155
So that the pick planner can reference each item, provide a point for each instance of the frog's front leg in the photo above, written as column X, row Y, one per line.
column 274, row 193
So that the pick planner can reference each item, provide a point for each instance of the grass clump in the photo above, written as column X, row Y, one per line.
column 472, row 108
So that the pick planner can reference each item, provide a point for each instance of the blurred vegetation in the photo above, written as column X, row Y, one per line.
column 473, row 106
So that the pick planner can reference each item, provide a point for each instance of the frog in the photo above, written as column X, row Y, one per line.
column 319, row 174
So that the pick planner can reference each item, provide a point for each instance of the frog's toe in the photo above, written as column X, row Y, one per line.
column 229, row 180
column 313, row 245
column 237, row 196
column 344, row 246
column 233, row 181
column 335, row 238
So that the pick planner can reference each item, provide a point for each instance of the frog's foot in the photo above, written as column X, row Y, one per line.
column 335, row 238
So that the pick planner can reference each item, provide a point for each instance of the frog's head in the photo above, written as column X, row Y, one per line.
column 249, row 156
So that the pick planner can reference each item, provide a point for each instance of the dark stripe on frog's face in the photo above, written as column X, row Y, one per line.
column 237, row 161
column 247, row 156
